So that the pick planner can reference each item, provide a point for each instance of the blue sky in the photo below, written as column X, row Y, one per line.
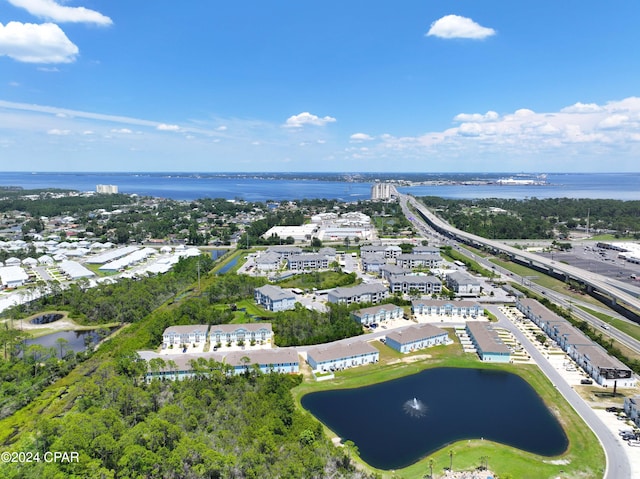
column 433, row 86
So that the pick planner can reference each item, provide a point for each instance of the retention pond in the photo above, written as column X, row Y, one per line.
column 396, row 423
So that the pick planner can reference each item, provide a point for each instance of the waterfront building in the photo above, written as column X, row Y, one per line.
column 416, row 337
column 381, row 191
column 107, row 189
column 488, row 344
column 339, row 356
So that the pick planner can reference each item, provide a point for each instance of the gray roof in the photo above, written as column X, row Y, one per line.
column 275, row 293
column 229, row 328
column 416, row 333
column 262, row 356
column 414, row 279
column 375, row 309
column 487, row 338
column 460, row 277
column 444, row 302
column 358, row 290
column 340, row 351
column 268, row 258
column 187, row 328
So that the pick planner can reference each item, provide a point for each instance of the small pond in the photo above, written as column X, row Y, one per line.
column 77, row 341
column 396, row 423
column 47, row 318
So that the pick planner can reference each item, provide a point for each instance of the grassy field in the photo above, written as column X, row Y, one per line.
column 583, row 459
column 319, row 280
column 626, row 327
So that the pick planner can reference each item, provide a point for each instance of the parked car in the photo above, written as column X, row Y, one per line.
column 586, row 381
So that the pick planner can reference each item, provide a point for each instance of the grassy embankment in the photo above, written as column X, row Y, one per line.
column 583, row 459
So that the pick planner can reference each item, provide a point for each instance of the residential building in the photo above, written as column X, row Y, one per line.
column 381, row 191
column 439, row 307
column 308, row 261
column 428, row 250
column 269, row 261
column 488, row 344
column 377, row 314
column 363, row 293
column 234, row 334
column 13, row 276
column 632, row 409
column 372, row 263
column 411, row 261
column 416, row 337
column 342, row 356
column 281, row 360
column 415, row 283
column 273, row 298
column 463, row 284
column 389, row 270
column 606, row 370
column 187, row 334
column 388, row 251
column 284, row 251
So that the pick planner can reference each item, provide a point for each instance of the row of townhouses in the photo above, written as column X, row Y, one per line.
column 593, row 359
column 233, row 334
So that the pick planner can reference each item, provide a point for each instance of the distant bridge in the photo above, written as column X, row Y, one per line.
column 618, row 293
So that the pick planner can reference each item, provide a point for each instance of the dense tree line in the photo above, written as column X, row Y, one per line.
column 537, row 218
column 47, row 205
column 126, row 301
column 304, row 327
column 213, row 426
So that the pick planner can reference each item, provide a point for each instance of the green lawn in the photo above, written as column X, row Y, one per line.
column 583, row 459
column 319, row 280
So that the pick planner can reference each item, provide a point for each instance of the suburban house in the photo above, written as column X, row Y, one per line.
column 632, row 408
column 377, row 314
column 281, row 360
column 487, row 342
column 273, row 298
column 363, row 293
column 174, row 367
column 188, row 334
column 411, row 261
column 606, row 370
column 13, row 276
column 413, row 282
column 416, row 337
column 342, row 356
column 308, row 261
column 463, row 284
column 237, row 334
column 439, row 307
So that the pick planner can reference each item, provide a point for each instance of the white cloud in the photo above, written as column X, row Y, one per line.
column 581, row 108
column 58, row 132
column 614, row 121
column 306, row 118
column 455, row 26
column 221, row 128
column 477, row 117
column 51, row 10
column 31, row 43
column 357, row 137
column 124, row 131
column 165, row 127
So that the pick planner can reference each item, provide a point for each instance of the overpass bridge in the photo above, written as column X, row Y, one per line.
column 619, row 294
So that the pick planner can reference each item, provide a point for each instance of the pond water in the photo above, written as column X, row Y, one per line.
column 47, row 318
column 77, row 341
column 228, row 266
column 396, row 423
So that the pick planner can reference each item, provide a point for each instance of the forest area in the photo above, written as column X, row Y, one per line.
column 212, row 426
column 500, row 218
